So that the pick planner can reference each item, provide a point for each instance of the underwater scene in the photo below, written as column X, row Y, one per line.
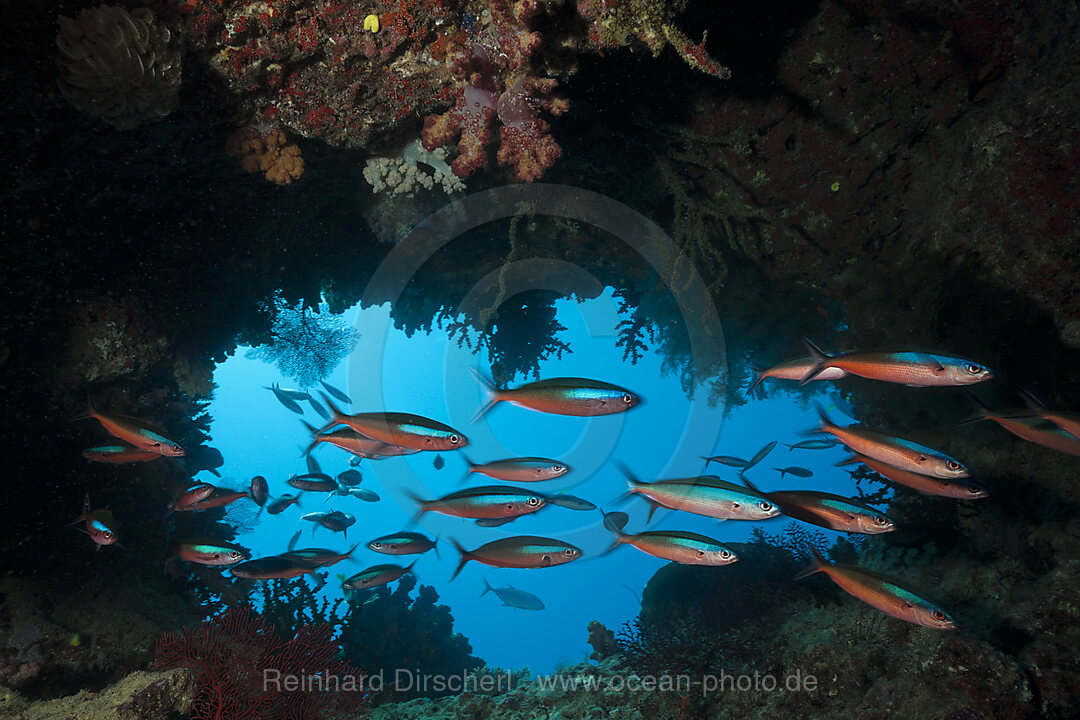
column 540, row 360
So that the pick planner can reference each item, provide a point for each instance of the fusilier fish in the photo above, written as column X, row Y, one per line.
column 119, row 454
column 318, row 557
column 898, row 452
column 404, row 429
column 704, row 495
column 685, row 548
column 579, row 397
column 284, row 398
column 213, row 553
column 914, row 369
column 364, row 494
column 376, row 575
column 489, row 501
column 275, row 567
column 795, row 369
column 318, row 408
column 190, row 497
column 1034, row 430
column 219, row 498
column 313, row 467
column 520, row 551
column 959, row 488
column 135, row 432
column 570, row 502
column 100, row 525
column 830, row 511
column 881, row 593
column 525, row 469
column 1067, row 421
column 350, row 477
column 402, row 543
column 512, row 597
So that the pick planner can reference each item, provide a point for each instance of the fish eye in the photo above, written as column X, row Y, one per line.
column 107, row 535
column 724, row 554
column 939, row 616
column 376, row 545
column 765, row 506
column 974, row 369
column 952, row 465
column 881, row 520
column 556, row 468
column 973, row 490
column 533, row 501
column 234, row 554
column 628, row 398
column 454, row 439
column 177, row 448
column 568, row 552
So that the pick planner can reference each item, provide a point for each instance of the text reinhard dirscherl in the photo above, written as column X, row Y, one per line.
column 403, row 680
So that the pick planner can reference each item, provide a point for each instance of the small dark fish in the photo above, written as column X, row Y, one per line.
column 318, row 408
column 275, row 567
column 512, row 597
column 335, row 392
column 495, row 522
column 313, row 466
column 402, row 543
column 293, row 540
column 318, row 557
column 578, row 397
column 191, row 496
column 203, row 457
column 315, row 482
column 760, row 456
column 881, row 593
column 813, row 445
column 350, row 478
column 364, row 494
column 285, row 400
column 615, row 521
column 520, row 551
column 571, row 502
column 100, row 525
column 439, row 463
column 277, row 506
column 729, row 460
column 338, row 521
column 355, row 460
column 260, row 491
column 376, row 575
column 119, row 454
column 796, row 471
column 213, row 553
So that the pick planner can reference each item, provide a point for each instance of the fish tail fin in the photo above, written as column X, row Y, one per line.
column 614, row 525
column 348, row 555
column 491, row 395
column 487, row 588
column 758, row 376
column 88, row 413
column 336, row 416
column 818, row 563
column 826, row 423
column 315, row 441
column 466, row 556
column 782, row 471
column 820, row 358
column 706, row 459
column 983, row 412
column 1035, row 402
column 85, row 512
column 435, row 547
column 628, row 473
column 422, row 503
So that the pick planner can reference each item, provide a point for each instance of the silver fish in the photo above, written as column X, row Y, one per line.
column 512, row 597
column 335, row 392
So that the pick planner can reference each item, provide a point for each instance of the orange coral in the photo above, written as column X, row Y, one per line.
column 271, row 154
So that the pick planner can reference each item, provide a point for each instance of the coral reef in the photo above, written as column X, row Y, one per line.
column 122, row 68
column 602, row 641
column 267, row 152
column 139, row 696
column 403, row 175
column 394, row 630
column 231, row 655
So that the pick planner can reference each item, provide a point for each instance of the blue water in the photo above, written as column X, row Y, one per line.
column 428, row 374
